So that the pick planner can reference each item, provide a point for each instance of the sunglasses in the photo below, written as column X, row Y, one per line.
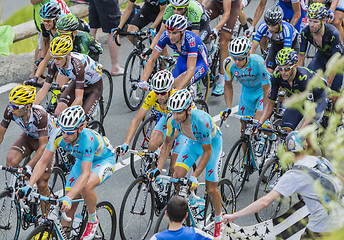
column 68, row 132
column 64, row 33
column 47, row 20
column 239, row 59
column 179, row 8
column 285, row 69
column 58, row 58
column 162, row 93
column 16, row 107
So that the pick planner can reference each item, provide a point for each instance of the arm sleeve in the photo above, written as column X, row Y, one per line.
column 168, row 13
column 170, row 125
column 304, row 41
column 88, row 149
column 336, row 44
column 147, row 104
column 274, row 86
column 261, row 31
column 79, row 71
column 192, row 46
column 288, row 35
column 52, row 69
column 227, row 64
column 41, row 122
column 162, row 42
column 285, row 184
column 54, row 140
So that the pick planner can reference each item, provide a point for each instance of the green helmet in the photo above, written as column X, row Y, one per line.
column 286, row 56
column 67, row 23
column 317, row 11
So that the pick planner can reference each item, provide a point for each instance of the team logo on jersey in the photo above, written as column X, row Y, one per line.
column 236, row 73
column 210, row 172
column 185, row 157
column 192, row 42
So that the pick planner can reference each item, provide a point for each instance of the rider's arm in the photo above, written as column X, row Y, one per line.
column 334, row 4
column 261, row 31
column 158, row 35
column 267, row 110
column 190, row 72
column 228, row 91
column 86, row 168
column 266, row 91
column 297, row 13
column 42, row 93
column 203, row 161
column 288, row 35
column 259, row 12
column 45, row 46
column 150, row 65
column 40, row 166
column 158, row 18
column 134, row 124
column 165, row 151
column 126, row 14
column 226, row 13
column 43, row 141
column 43, row 65
column 79, row 94
column 2, row 133
column 254, row 46
column 301, row 59
column 254, row 207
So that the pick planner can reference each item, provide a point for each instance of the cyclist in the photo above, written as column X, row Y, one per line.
column 36, row 125
column 230, row 10
column 294, row 13
column 280, row 34
column 251, row 72
column 151, row 11
column 83, row 42
column 204, row 140
column 95, row 163
column 293, row 80
column 161, row 86
column 86, row 87
column 325, row 37
column 192, row 63
column 197, row 20
column 176, row 212
column 321, row 221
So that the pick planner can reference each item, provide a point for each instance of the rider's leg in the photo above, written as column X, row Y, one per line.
column 215, row 196
column 338, row 21
column 132, row 28
column 43, row 187
column 88, row 193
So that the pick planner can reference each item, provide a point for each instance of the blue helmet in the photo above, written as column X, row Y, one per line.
column 71, row 118
column 294, row 142
column 50, row 10
column 179, row 101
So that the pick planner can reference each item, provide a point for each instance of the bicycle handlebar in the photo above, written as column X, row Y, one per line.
column 11, row 169
column 124, row 33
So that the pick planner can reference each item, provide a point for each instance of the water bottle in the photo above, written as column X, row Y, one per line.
column 201, row 206
column 260, row 147
column 76, row 225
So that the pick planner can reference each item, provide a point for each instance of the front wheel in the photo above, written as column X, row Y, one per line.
column 10, row 219
column 137, row 210
column 201, row 105
column 106, row 215
column 133, row 69
column 57, row 182
column 96, row 126
column 107, row 90
column 45, row 231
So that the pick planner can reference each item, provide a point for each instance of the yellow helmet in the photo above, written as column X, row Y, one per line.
column 22, row 95
column 60, row 46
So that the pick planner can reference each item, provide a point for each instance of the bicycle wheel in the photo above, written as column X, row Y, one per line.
column 140, row 142
column 133, row 69
column 137, row 209
column 96, row 126
column 98, row 114
column 42, row 232
column 107, row 90
column 202, row 90
column 228, row 205
column 267, row 180
column 10, row 217
column 235, row 168
column 214, row 67
column 201, row 105
column 106, row 215
column 57, row 182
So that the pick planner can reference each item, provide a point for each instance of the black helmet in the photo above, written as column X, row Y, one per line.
column 274, row 15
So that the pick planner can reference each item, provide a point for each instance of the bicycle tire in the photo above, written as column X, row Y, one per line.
column 107, row 90
column 107, row 226
column 228, row 205
column 45, row 231
column 6, row 203
column 202, row 90
column 127, row 224
column 98, row 114
column 96, row 126
column 140, row 142
column 214, row 67
column 57, row 182
column 236, row 174
column 133, row 95
column 201, row 105
column 271, row 169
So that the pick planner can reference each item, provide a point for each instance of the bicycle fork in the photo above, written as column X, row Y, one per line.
column 145, row 192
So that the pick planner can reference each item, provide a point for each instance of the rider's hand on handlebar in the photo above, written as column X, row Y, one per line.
column 38, row 62
column 122, row 149
column 24, row 192
column 194, row 183
column 249, row 31
column 143, row 85
column 257, row 127
column 225, row 113
column 66, row 203
column 152, row 174
column 27, row 170
column 146, row 53
column 330, row 16
column 31, row 82
column 152, row 32
column 214, row 33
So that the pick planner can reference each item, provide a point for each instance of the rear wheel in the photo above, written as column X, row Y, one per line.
column 45, row 231
column 57, row 182
column 10, row 217
column 107, row 90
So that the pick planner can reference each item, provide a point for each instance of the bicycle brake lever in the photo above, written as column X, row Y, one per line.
column 64, row 215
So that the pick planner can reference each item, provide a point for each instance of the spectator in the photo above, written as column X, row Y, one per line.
column 106, row 14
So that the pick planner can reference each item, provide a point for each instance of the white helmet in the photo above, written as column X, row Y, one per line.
column 179, row 101
column 179, row 3
column 239, row 46
column 176, row 23
column 71, row 118
column 162, row 81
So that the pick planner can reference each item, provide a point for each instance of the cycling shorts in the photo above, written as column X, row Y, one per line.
column 214, row 8
column 204, row 31
column 104, row 169
column 92, row 95
column 192, row 150
column 289, row 13
column 161, row 126
column 250, row 101
column 181, row 67
column 319, row 61
column 104, row 13
column 146, row 15
column 273, row 50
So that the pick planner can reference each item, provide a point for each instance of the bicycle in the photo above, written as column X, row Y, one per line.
column 53, row 229
column 16, row 215
column 203, row 219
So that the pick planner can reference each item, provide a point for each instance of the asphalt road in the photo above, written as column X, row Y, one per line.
column 117, row 122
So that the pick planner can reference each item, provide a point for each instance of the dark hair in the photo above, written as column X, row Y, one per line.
column 177, row 207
